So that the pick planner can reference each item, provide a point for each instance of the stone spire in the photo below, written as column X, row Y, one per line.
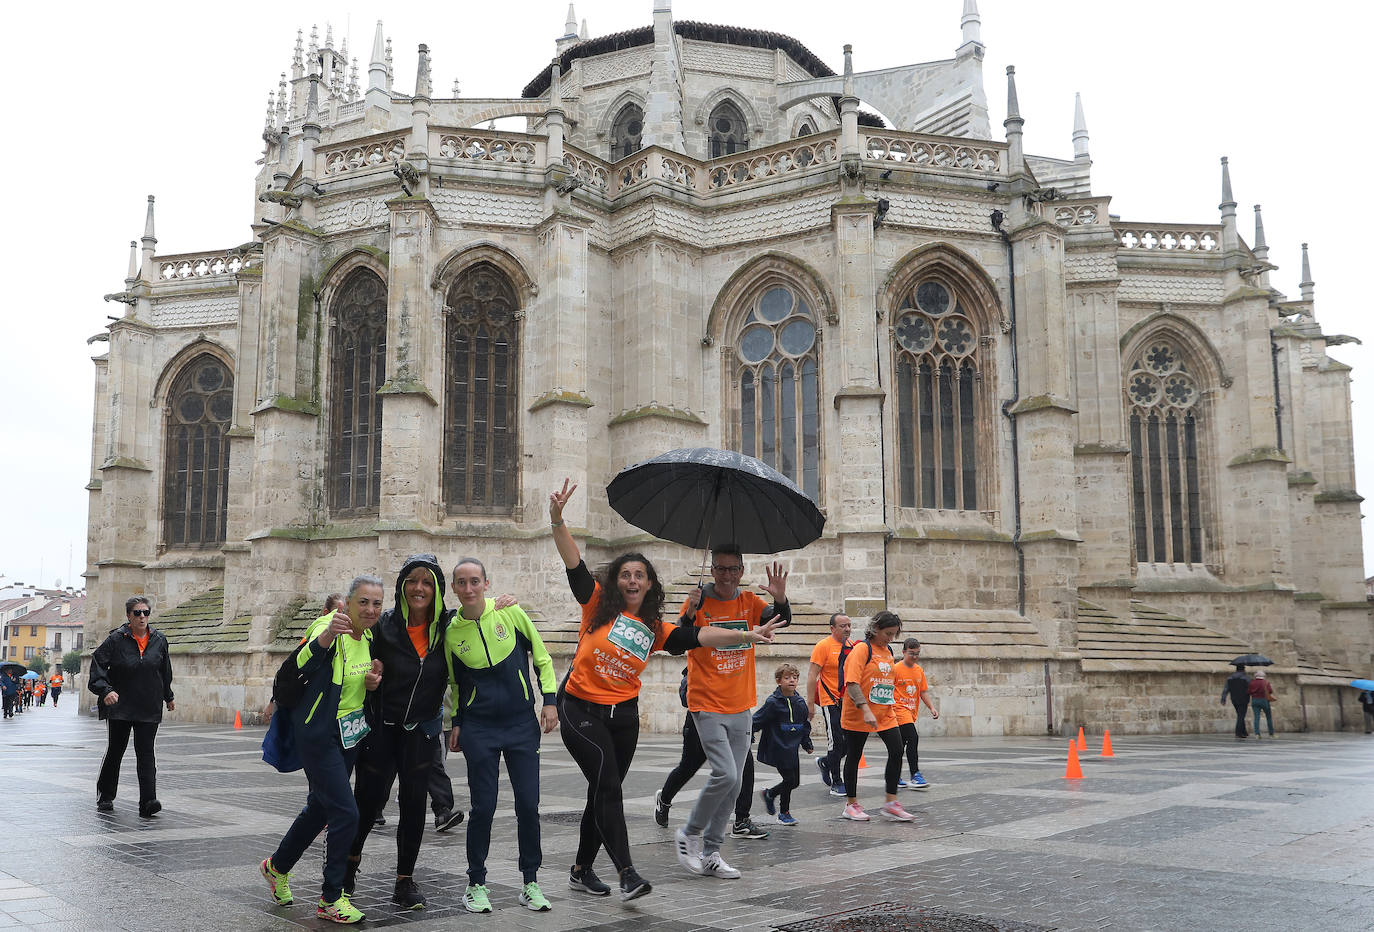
column 390, row 71
column 270, row 123
column 569, row 37
column 282, row 115
column 298, row 59
column 378, row 80
column 1080, row 129
column 132, row 275
column 582, row 34
column 663, row 109
column 150, row 244
column 1230, row 238
column 457, row 88
column 1016, row 159
column 423, row 85
column 1261, row 248
column 553, row 117
column 849, row 107
column 314, row 40
column 971, row 24
column 1306, row 286
column 328, row 35
column 353, row 79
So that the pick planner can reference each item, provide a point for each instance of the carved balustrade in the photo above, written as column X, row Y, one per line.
column 758, row 165
column 198, row 265
column 942, row 153
column 1167, row 237
column 361, row 155
column 1080, row 212
column 594, row 174
column 491, row 148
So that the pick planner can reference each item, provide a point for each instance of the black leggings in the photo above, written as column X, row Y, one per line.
column 602, row 740
column 693, row 757
column 791, row 779
column 145, row 733
column 854, row 744
column 911, row 741
column 392, row 752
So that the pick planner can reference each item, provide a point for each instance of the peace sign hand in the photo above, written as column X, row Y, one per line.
column 558, row 499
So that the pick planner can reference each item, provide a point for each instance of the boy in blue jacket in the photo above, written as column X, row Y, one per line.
column 785, row 725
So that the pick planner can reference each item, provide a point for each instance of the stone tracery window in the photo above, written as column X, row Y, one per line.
column 939, row 394
column 778, row 384
column 627, row 132
column 481, row 410
column 729, row 132
column 1163, row 401
column 195, row 485
column 357, row 371
column 806, row 128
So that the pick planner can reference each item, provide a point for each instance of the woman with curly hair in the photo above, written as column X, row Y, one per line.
column 869, row 707
column 598, row 701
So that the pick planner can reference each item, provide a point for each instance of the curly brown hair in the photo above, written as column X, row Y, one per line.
column 613, row 601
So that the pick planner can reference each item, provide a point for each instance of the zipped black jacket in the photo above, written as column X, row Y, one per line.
column 144, row 682
column 412, row 690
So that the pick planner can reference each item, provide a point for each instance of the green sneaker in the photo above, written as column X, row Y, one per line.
column 341, row 910
column 531, row 897
column 277, row 882
column 475, row 899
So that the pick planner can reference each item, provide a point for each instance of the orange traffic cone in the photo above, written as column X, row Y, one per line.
column 1073, row 771
column 238, row 719
column 863, row 762
column 1082, row 742
column 1107, row 743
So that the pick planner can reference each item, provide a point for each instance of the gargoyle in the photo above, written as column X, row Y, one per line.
column 123, row 297
column 409, row 175
column 567, row 184
column 280, row 197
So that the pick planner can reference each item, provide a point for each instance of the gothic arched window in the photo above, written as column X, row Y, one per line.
column 779, row 392
column 195, row 485
column 627, row 132
column 481, row 406
column 939, row 395
column 806, row 128
column 729, row 133
column 1162, row 398
column 357, row 369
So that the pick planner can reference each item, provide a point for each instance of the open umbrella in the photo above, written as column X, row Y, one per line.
column 1363, row 684
column 18, row 669
column 1253, row 660
column 31, row 676
column 701, row 496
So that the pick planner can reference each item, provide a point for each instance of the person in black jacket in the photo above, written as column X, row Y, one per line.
column 409, row 641
column 1237, row 689
column 785, row 724
column 131, row 675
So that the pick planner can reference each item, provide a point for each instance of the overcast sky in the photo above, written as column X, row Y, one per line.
column 169, row 99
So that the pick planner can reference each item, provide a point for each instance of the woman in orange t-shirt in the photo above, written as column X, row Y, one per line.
column 869, row 707
column 598, row 701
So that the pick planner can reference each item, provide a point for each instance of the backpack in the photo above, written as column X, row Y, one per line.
column 288, row 686
column 844, row 659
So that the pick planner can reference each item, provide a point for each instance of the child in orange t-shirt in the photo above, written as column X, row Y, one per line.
column 912, row 689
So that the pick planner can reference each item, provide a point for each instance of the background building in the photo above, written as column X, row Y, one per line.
column 1089, row 459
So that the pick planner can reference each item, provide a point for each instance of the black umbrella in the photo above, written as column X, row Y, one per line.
column 1252, row 660
column 18, row 668
column 699, row 497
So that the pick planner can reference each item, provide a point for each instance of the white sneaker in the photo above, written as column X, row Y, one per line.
column 689, row 850
column 714, row 866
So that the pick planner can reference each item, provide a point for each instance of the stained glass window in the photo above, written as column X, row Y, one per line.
column 627, row 132
column 200, row 409
column 357, row 370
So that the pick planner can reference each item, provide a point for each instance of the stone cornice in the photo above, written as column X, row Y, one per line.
column 1046, row 402
column 665, row 412
column 288, row 404
column 575, row 399
column 1260, row 455
column 125, row 462
column 407, row 387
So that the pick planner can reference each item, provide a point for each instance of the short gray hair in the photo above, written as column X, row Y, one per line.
column 365, row 579
column 137, row 600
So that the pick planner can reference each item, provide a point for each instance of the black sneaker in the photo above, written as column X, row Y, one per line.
column 149, row 809
column 380, row 820
column 745, row 828
column 407, row 894
column 633, row 886
column 104, row 804
column 661, row 809
column 444, row 821
column 586, row 881
column 826, row 777
column 350, row 880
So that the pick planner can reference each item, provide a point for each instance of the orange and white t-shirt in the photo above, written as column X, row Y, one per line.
column 608, row 661
column 826, row 655
column 721, row 679
column 908, row 684
column 872, row 671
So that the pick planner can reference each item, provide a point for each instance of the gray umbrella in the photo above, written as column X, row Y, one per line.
column 1252, row 660
column 701, row 496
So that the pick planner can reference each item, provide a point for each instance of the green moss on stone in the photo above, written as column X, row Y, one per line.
column 287, row 403
column 1338, row 495
column 1260, row 455
column 662, row 411
column 1043, row 403
column 1301, row 478
column 576, row 399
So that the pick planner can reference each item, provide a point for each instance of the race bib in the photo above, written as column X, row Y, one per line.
column 631, row 636
column 734, row 625
column 880, row 694
column 353, row 728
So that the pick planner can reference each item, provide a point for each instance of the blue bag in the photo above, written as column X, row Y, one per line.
column 279, row 744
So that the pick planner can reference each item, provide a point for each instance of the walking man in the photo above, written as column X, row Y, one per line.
column 823, row 692
column 1237, row 688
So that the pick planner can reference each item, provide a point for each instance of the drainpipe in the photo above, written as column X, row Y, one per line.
column 997, row 218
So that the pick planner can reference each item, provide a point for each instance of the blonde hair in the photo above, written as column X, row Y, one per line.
column 784, row 669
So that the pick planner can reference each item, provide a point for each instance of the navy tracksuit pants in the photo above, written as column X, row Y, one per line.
column 483, row 744
column 329, row 805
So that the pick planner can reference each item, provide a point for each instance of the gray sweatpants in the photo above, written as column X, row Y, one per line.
column 725, row 742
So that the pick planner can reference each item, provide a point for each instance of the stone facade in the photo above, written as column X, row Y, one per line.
column 1009, row 403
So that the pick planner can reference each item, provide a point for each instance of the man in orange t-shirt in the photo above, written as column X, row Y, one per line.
column 55, row 687
column 721, row 693
column 823, row 691
column 912, row 689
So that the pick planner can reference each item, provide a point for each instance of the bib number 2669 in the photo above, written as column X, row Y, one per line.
column 631, row 636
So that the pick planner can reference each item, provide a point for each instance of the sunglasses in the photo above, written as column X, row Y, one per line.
column 142, row 612
column 727, row 569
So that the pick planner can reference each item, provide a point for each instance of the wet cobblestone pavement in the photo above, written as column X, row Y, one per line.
column 1175, row 833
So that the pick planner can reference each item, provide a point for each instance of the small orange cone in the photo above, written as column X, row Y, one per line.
column 1107, row 743
column 1073, row 771
column 238, row 719
column 863, row 762
column 1082, row 742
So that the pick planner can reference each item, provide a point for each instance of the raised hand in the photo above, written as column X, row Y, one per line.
column 777, row 583
column 558, row 499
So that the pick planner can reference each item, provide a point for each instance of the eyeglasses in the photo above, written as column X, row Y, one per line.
column 141, row 612
column 727, row 569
